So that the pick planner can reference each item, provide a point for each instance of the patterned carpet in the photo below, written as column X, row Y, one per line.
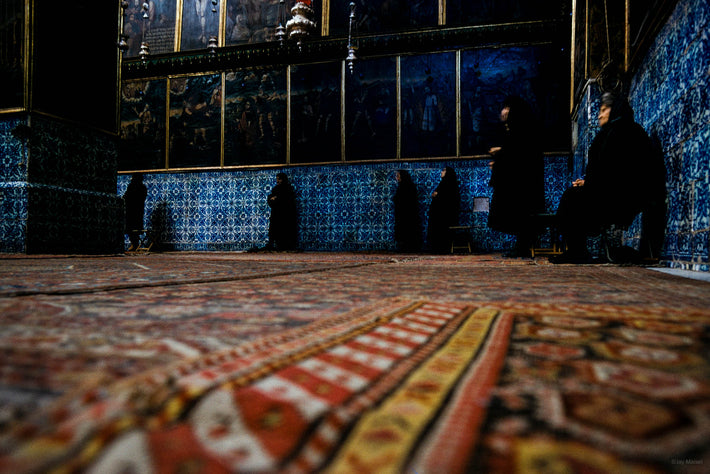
column 367, row 363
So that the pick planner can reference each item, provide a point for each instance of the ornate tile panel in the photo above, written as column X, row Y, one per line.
column 62, row 199
column 671, row 98
column 340, row 207
column 71, row 157
column 13, row 152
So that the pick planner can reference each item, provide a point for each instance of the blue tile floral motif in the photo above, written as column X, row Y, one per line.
column 701, row 203
column 13, row 213
column 671, row 98
column 13, row 187
column 57, row 190
column 71, row 157
column 13, row 152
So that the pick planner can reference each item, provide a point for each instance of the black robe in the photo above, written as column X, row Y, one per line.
column 283, row 223
column 443, row 213
column 407, row 225
column 625, row 176
column 621, row 176
column 134, row 199
column 518, row 182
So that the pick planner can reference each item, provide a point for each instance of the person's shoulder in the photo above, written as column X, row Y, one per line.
column 638, row 133
column 641, row 129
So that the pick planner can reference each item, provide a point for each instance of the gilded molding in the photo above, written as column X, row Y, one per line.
column 332, row 49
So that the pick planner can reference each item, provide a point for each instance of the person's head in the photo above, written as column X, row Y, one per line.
column 614, row 108
column 281, row 178
column 137, row 177
column 516, row 113
column 604, row 113
column 403, row 176
column 448, row 174
column 504, row 114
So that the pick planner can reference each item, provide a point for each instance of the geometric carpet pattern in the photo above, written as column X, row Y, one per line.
column 350, row 363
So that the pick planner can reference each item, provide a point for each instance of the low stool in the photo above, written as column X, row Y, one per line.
column 461, row 238
column 542, row 223
column 145, row 242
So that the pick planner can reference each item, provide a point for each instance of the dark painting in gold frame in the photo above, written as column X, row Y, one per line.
column 154, row 25
column 315, row 113
column 428, row 110
column 489, row 75
column 12, row 54
column 382, row 16
column 247, row 21
column 371, row 110
column 143, row 112
column 195, row 121
column 200, row 21
column 482, row 12
column 255, row 117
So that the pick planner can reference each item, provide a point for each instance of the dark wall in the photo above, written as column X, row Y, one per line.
column 12, row 55
column 59, row 184
column 74, row 61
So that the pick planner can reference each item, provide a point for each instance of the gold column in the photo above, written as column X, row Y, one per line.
column 573, row 52
column 178, row 25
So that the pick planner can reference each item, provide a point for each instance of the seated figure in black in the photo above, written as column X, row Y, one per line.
column 625, row 175
column 283, row 224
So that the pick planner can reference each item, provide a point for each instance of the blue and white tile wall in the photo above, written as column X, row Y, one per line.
column 58, row 189
column 670, row 94
column 587, row 128
column 341, row 208
column 13, row 188
column 671, row 97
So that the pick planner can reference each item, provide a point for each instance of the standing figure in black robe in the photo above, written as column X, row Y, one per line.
column 134, row 201
column 517, row 176
column 444, row 211
column 283, row 223
column 625, row 175
column 407, row 225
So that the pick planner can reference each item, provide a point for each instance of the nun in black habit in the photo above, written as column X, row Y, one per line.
column 283, row 223
column 444, row 211
column 407, row 225
column 625, row 175
column 517, row 176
